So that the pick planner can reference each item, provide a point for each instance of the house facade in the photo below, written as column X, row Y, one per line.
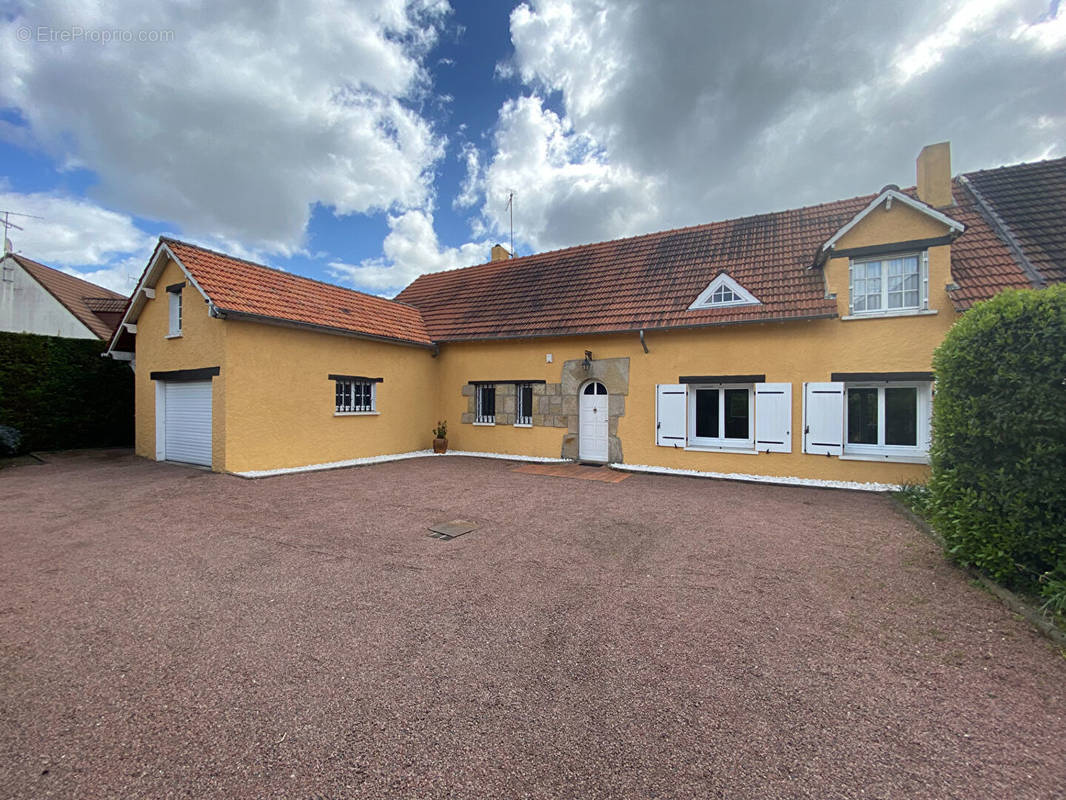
column 35, row 298
column 787, row 346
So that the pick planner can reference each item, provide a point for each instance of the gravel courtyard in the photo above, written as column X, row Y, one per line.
column 168, row 632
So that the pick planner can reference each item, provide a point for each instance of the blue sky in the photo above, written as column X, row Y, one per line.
column 366, row 143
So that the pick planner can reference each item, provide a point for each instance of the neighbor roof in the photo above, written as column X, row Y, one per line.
column 238, row 287
column 97, row 308
column 1029, row 202
column 649, row 282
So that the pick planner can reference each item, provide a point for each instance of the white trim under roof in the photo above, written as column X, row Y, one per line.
column 144, row 291
column 888, row 196
column 744, row 297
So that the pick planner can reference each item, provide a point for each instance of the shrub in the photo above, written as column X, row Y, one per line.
column 997, row 492
column 61, row 394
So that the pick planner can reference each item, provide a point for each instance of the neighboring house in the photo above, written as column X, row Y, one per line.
column 38, row 299
column 789, row 345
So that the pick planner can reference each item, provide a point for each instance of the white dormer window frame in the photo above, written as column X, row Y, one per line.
column 724, row 292
column 887, row 280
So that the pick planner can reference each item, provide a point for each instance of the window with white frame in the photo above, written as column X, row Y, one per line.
column 523, row 404
column 729, row 415
column 721, row 416
column 723, row 291
column 889, row 284
column 887, row 419
column 174, row 309
column 355, row 395
column 486, row 404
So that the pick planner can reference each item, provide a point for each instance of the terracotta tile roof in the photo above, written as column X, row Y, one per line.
column 94, row 306
column 1029, row 201
column 650, row 281
column 244, row 287
column 642, row 282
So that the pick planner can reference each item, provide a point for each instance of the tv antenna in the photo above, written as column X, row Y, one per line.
column 510, row 207
column 8, row 225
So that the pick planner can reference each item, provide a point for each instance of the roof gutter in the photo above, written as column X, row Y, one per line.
column 245, row 316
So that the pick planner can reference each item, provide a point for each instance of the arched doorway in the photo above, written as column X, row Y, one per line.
column 592, row 423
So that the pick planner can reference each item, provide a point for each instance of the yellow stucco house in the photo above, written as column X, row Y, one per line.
column 794, row 346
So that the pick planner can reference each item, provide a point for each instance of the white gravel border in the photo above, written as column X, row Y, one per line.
column 739, row 476
column 358, row 462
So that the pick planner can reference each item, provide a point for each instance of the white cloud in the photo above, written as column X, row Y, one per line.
column 251, row 114
column 411, row 248
column 81, row 238
column 673, row 113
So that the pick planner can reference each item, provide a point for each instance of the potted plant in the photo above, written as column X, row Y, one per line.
column 440, row 437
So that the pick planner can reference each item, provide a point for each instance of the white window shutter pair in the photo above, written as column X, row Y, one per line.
column 823, row 418
column 670, row 414
column 773, row 417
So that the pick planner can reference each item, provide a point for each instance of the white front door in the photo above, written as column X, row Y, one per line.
column 186, row 418
column 592, row 423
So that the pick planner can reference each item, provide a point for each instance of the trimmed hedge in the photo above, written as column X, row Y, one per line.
column 61, row 394
column 998, row 486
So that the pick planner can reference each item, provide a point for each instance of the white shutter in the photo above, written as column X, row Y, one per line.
column 670, row 414
column 823, row 418
column 773, row 417
column 173, row 298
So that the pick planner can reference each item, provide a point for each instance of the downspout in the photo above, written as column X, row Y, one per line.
column 642, row 342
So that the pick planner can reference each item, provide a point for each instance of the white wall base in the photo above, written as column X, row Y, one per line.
column 357, row 462
column 739, row 476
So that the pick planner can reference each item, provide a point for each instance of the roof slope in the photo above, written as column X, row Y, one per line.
column 650, row 281
column 1030, row 201
column 97, row 308
column 244, row 287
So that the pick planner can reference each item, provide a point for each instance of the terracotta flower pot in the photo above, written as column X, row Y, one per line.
column 440, row 445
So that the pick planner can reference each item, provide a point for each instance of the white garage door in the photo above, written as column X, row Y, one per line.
column 188, row 421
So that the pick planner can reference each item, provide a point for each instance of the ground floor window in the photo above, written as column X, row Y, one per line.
column 486, row 405
column 523, row 404
column 354, row 395
column 721, row 416
column 887, row 418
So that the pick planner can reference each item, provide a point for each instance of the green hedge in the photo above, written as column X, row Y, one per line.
column 62, row 394
column 998, row 486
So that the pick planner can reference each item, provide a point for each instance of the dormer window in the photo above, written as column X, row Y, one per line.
column 889, row 285
column 724, row 292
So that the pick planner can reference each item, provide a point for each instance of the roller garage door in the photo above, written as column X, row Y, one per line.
column 187, row 426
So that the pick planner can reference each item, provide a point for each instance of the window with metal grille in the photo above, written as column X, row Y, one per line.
column 354, row 396
column 486, row 405
column 523, row 404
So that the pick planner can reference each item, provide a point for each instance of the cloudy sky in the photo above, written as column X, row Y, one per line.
column 367, row 142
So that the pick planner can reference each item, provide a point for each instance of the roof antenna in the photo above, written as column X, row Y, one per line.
column 510, row 207
column 8, row 224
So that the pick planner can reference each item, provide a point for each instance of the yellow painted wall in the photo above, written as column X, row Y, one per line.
column 202, row 344
column 274, row 403
column 792, row 352
column 280, row 402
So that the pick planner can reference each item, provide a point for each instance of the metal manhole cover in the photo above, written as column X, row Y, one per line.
column 449, row 530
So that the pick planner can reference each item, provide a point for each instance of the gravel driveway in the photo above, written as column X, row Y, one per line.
column 168, row 632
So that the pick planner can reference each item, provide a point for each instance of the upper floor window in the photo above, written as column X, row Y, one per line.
column 486, row 404
column 888, row 285
column 723, row 291
column 174, row 308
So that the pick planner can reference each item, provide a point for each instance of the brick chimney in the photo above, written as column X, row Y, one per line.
column 934, row 174
column 499, row 252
